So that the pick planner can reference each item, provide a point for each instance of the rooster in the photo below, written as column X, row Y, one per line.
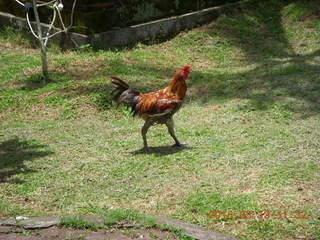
column 155, row 107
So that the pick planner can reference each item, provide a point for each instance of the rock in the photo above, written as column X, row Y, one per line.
column 8, row 222
column 38, row 223
column 192, row 230
column 20, row 218
column 96, row 219
column 34, row 223
column 5, row 230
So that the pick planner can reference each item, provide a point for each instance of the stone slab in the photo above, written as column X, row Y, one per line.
column 192, row 230
column 32, row 223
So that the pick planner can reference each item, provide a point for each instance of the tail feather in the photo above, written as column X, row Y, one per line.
column 118, row 82
column 121, row 86
column 124, row 94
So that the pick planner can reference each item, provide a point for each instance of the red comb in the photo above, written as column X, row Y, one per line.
column 187, row 67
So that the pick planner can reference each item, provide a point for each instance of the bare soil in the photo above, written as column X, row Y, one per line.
column 54, row 233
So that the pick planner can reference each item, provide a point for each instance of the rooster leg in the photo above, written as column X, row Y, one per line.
column 144, row 131
column 170, row 126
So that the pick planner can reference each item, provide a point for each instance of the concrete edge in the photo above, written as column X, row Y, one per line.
column 190, row 230
column 65, row 41
column 161, row 28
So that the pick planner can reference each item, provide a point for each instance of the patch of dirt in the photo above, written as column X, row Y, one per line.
column 55, row 233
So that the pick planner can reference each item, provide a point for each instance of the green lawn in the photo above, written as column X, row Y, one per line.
column 251, row 126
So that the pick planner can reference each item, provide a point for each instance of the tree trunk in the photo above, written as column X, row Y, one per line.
column 41, row 42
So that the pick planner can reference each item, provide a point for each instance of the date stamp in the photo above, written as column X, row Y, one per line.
column 216, row 215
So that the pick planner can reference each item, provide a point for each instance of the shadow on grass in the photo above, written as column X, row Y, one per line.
column 14, row 153
column 161, row 150
column 36, row 80
column 256, row 27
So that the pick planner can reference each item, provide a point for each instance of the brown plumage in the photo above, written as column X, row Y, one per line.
column 155, row 107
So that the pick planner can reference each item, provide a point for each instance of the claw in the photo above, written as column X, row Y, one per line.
column 145, row 149
column 177, row 145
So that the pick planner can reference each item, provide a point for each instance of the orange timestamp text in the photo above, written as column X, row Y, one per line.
column 261, row 214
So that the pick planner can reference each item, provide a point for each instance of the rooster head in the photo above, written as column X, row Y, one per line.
column 184, row 72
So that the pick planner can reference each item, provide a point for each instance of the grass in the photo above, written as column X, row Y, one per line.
column 250, row 122
column 115, row 216
column 118, row 218
column 77, row 223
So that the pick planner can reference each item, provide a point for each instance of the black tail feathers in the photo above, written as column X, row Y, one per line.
column 120, row 83
column 121, row 86
column 124, row 94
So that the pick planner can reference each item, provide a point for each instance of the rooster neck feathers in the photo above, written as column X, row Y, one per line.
column 177, row 86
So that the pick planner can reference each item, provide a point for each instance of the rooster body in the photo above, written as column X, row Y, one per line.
column 155, row 107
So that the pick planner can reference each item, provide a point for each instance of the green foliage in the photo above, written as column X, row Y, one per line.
column 179, row 232
column 136, row 12
column 113, row 216
column 116, row 217
column 289, row 171
column 7, row 209
column 16, row 36
column 61, row 63
column 77, row 222
column 265, row 229
column 317, row 232
column 207, row 203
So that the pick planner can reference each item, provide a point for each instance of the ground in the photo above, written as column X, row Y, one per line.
column 55, row 233
column 251, row 125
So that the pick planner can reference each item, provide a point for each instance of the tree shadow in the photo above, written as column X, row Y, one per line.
column 256, row 28
column 13, row 155
column 36, row 80
column 161, row 150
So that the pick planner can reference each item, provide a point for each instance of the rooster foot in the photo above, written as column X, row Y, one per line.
column 177, row 145
column 145, row 149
